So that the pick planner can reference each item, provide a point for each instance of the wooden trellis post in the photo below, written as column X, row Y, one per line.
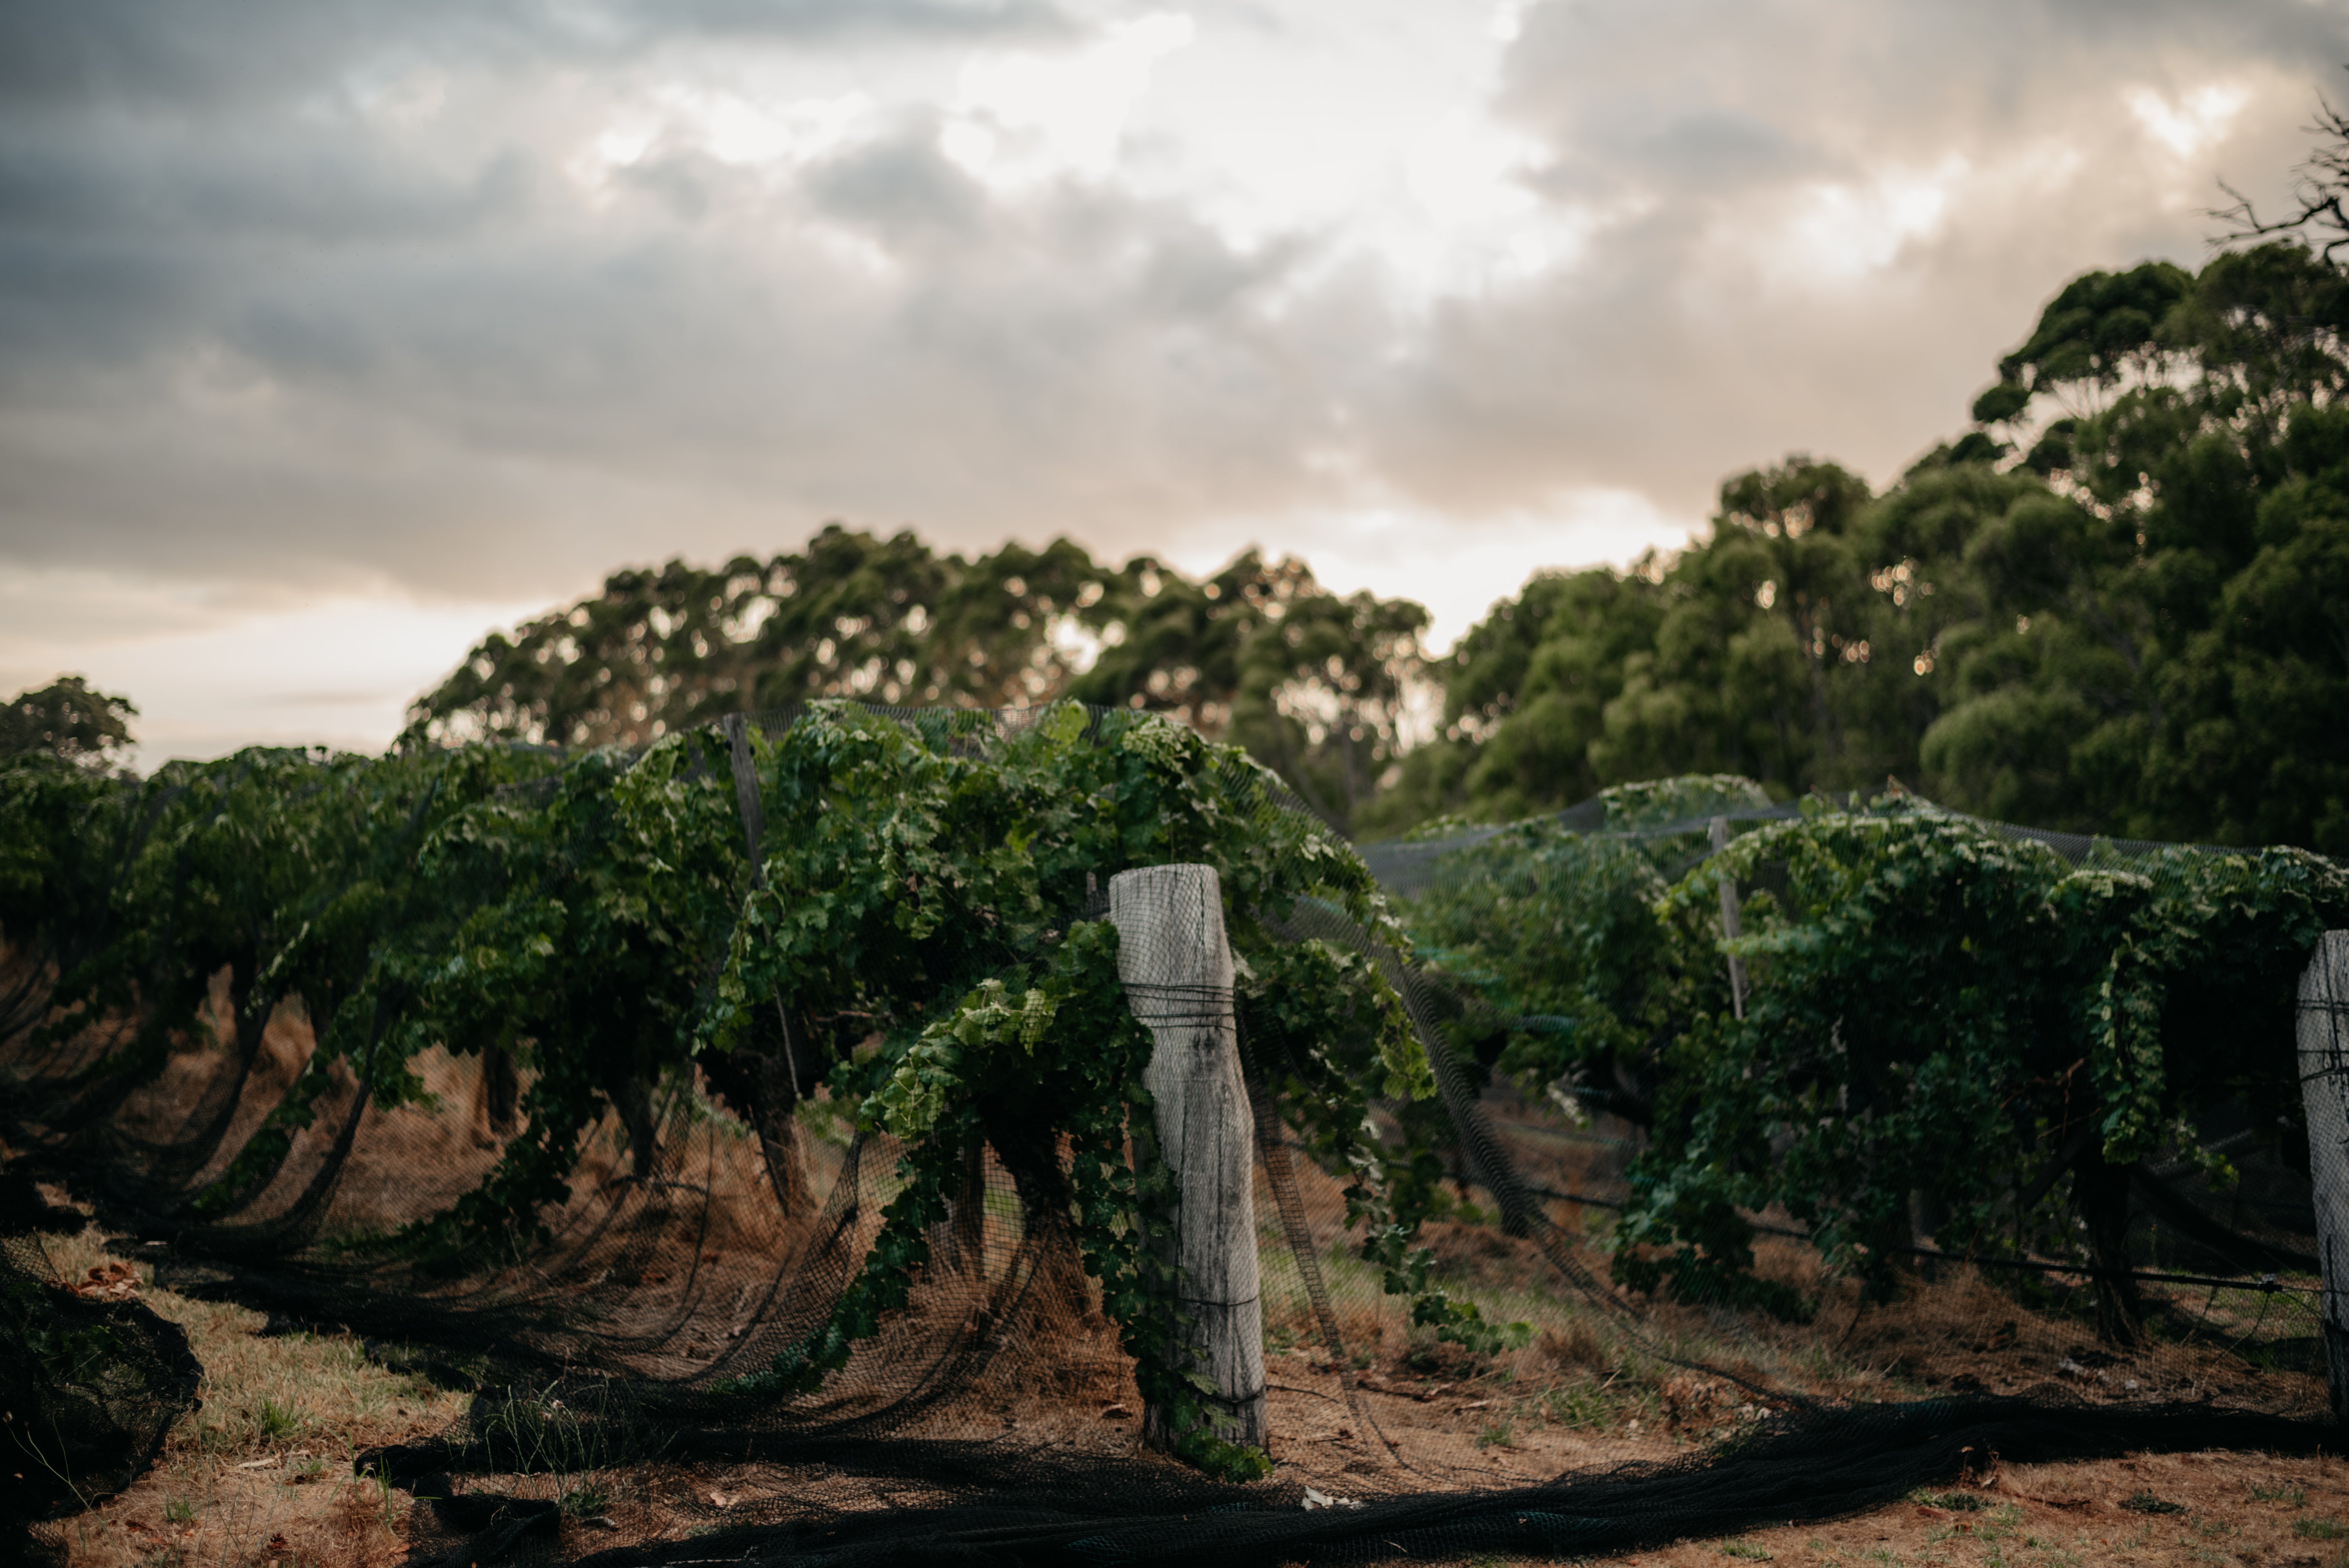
column 1177, row 972
column 1731, row 925
column 2324, row 1089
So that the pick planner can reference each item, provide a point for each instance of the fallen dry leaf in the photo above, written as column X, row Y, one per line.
column 117, row 1281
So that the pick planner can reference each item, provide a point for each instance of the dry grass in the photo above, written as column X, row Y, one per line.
column 261, row 1471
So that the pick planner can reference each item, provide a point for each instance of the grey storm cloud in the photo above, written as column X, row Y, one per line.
column 227, row 55
column 300, row 290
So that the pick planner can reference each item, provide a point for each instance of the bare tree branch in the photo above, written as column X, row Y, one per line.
column 2320, row 187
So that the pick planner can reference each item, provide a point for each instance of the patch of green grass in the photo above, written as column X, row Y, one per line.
column 533, row 1432
column 1596, row 1406
column 2289, row 1496
column 1748, row 1550
column 389, row 1503
column 2053, row 1553
column 2317, row 1530
column 589, row 1501
column 1499, row 1434
column 278, row 1420
column 1998, row 1527
column 1955, row 1502
column 179, row 1511
column 2146, row 1502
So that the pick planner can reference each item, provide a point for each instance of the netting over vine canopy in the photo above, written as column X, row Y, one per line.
column 765, row 1128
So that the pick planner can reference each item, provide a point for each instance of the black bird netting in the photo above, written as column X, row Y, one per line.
column 848, row 1136
column 90, row 1387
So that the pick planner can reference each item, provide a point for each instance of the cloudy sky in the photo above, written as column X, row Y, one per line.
column 334, row 332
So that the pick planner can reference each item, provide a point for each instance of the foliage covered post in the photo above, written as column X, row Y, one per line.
column 1177, row 972
column 1731, row 924
column 765, row 1088
column 2324, row 1081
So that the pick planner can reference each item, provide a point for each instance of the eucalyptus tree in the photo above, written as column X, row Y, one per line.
column 1321, row 687
column 67, row 719
column 2115, row 605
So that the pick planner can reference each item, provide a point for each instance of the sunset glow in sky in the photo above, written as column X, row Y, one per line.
column 335, row 334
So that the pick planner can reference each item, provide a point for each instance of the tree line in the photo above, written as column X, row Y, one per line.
column 2117, row 603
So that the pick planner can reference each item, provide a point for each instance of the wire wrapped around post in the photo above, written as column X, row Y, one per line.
column 1733, row 924
column 1177, row 972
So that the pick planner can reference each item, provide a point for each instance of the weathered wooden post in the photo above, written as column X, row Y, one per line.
column 2324, row 1089
column 1731, row 925
column 1177, row 972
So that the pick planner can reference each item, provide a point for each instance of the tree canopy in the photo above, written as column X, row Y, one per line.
column 1317, row 685
column 2118, row 604
column 67, row 719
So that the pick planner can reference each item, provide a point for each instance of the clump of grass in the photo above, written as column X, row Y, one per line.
column 1955, row 1502
column 543, row 1432
column 2146, row 1502
column 1499, row 1434
column 2317, row 1530
column 1751, row 1551
column 2289, row 1496
column 588, row 1501
column 278, row 1420
column 1596, row 1405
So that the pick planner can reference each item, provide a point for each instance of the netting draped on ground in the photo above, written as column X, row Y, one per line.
column 625, row 1352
